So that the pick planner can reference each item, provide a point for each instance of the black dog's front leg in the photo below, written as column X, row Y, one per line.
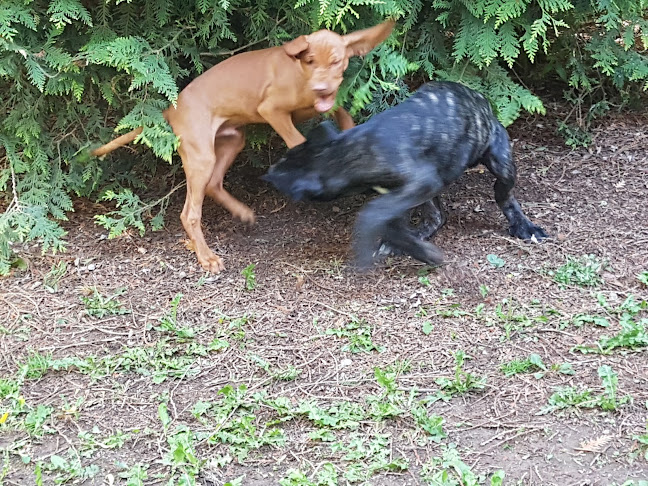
column 370, row 225
column 386, row 218
column 432, row 218
column 499, row 162
column 404, row 239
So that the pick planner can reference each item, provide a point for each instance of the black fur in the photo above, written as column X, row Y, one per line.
column 413, row 151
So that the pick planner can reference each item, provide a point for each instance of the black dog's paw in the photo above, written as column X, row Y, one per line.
column 429, row 253
column 422, row 251
column 363, row 261
column 528, row 231
column 361, row 266
column 386, row 249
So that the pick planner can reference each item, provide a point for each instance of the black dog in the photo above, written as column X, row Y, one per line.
column 409, row 153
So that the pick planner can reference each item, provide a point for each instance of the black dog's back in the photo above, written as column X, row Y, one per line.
column 444, row 122
column 413, row 151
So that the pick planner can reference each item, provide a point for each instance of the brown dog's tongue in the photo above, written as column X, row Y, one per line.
column 325, row 103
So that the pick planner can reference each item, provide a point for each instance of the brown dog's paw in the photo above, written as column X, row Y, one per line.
column 245, row 215
column 212, row 264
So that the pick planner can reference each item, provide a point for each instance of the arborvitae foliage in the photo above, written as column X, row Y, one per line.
column 73, row 70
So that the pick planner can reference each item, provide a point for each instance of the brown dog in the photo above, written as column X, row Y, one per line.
column 279, row 86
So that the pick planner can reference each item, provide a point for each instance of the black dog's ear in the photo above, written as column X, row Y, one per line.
column 323, row 133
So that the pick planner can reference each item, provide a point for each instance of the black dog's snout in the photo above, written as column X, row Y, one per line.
column 269, row 176
column 293, row 184
column 305, row 188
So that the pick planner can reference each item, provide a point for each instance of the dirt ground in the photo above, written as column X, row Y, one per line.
column 592, row 201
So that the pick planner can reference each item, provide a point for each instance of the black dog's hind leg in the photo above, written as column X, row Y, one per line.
column 499, row 160
column 386, row 218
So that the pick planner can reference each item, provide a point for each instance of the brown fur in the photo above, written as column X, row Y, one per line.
column 279, row 86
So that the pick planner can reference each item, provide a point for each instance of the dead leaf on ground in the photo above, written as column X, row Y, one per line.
column 300, row 282
column 595, row 445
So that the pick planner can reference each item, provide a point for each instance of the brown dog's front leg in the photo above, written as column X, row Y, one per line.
column 343, row 119
column 282, row 123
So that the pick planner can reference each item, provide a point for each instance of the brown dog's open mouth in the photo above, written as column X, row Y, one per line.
column 325, row 103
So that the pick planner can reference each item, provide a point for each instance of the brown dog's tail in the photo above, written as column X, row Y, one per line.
column 118, row 142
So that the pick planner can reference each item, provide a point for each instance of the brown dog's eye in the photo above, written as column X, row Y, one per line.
column 309, row 61
column 336, row 62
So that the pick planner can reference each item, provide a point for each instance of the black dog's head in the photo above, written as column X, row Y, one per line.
column 299, row 173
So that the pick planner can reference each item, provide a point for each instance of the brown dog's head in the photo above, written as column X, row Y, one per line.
column 324, row 56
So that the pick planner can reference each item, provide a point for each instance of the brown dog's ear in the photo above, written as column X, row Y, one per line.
column 361, row 42
column 296, row 46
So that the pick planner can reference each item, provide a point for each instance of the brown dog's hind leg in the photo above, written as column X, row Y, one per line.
column 227, row 146
column 199, row 162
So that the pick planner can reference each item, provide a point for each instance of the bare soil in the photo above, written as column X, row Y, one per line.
column 592, row 201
